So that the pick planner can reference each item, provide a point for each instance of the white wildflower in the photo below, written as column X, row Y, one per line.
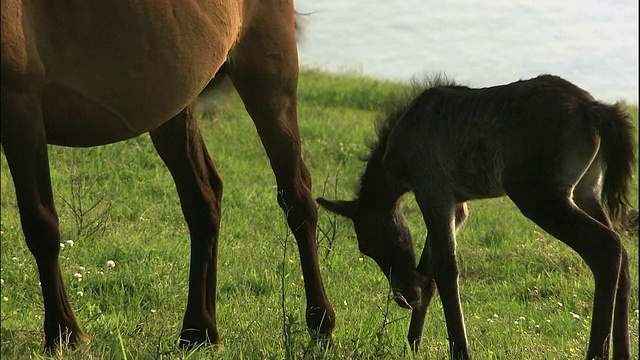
column 575, row 316
column 111, row 264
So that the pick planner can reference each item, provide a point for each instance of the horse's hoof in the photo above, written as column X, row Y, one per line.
column 68, row 338
column 322, row 342
column 193, row 338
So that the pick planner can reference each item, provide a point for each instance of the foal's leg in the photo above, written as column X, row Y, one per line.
column 428, row 289
column 439, row 212
column 199, row 186
column 600, row 247
column 425, row 268
column 587, row 197
column 25, row 147
column 264, row 70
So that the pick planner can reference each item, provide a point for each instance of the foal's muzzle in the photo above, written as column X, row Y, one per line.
column 407, row 299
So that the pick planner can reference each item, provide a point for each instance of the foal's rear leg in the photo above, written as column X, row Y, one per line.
column 587, row 197
column 199, row 186
column 551, row 208
column 25, row 147
column 425, row 268
column 264, row 70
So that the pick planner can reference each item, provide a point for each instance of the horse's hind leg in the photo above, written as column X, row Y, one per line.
column 600, row 247
column 25, row 147
column 264, row 70
column 181, row 147
column 587, row 197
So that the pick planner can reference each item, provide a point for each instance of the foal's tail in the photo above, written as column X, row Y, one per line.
column 617, row 148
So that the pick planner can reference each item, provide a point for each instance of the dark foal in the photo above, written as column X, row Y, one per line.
column 543, row 142
column 90, row 73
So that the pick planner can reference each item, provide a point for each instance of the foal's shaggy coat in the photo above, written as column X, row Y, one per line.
column 543, row 142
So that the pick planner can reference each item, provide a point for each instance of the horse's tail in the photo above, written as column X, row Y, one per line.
column 617, row 147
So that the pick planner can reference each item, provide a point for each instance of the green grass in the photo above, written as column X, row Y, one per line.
column 520, row 288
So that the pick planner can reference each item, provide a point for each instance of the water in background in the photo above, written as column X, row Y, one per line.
column 593, row 43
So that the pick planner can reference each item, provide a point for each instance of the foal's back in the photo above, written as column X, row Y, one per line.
column 471, row 139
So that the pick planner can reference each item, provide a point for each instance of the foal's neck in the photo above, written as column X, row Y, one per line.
column 379, row 190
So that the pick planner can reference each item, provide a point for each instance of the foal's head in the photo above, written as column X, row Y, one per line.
column 384, row 236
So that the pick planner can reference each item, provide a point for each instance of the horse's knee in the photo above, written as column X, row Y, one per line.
column 41, row 231
column 298, row 206
column 445, row 269
column 606, row 263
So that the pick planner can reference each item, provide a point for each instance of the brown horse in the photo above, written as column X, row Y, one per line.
column 544, row 143
column 95, row 72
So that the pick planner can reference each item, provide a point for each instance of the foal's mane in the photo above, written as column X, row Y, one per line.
column 391, row 113
column 393, row 109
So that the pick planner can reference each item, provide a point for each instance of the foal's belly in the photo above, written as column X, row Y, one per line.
column 477, row 181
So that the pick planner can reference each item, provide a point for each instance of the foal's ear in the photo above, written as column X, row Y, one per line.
column 340, row 207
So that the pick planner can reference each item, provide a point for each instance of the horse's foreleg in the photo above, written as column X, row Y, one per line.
column 418, row 314
column 441, row 216
column 181, row 147
column 425, row 269
column 264, row 70
column 428, row 287
column 25, row 147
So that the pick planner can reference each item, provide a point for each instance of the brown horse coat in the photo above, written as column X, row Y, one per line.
column 86, row 73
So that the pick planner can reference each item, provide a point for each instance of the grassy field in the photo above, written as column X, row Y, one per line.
column 525, row 294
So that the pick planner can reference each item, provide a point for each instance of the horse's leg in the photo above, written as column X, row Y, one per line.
column 425, row 268
column 600, row 247
column 587, row 198
column 428, row 289
column 439, row 212
column 264, row 70
column 180, row 145
column 621, row 342
column 25, row 147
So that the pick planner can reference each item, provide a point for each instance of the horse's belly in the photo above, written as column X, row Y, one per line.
column 72, row 119
column 107, row 80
